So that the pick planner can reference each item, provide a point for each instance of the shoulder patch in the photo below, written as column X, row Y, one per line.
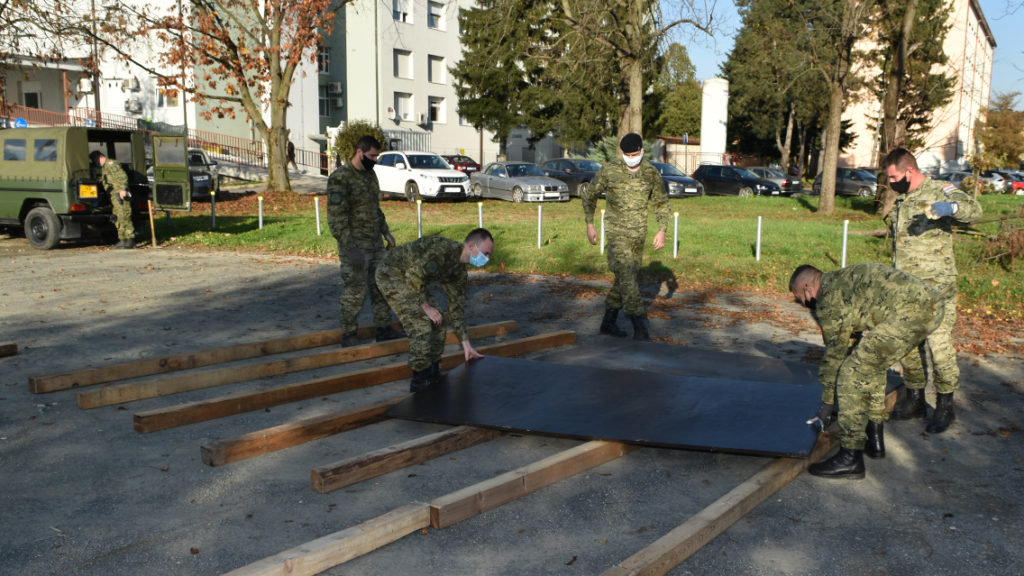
column 335, row 198
column 948, row 188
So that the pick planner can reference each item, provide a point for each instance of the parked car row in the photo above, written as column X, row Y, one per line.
column 851, row 182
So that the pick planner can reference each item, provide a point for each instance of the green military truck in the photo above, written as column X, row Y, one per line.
column 49, row 188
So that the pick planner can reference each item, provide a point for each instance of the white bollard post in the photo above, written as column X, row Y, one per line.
column 316, row 200
column 261, row 212
column 758, row 255
column 419, row 218
column 480, row 210
column 213, row 208
column 539, row 219
column 602, row 231
column 675, row 238
column 846, row 230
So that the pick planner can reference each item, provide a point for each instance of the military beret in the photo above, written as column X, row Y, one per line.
column 631, row 143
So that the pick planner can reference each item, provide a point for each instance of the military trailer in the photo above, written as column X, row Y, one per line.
column 49, row 188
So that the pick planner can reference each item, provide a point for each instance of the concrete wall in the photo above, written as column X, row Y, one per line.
column 714, row 116
column 43, row 84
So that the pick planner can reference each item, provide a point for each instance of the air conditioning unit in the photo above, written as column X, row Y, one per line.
column 133, row 105
column 334, row 88
column 85, row 85
column 108, row 4
column 423, row 119
column 337, row 102
column 130, row 84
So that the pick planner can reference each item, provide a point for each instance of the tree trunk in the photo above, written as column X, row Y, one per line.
column 802, row 132
column 833, row 132
column 632, row 119
column 785, row 148
column 277, row 159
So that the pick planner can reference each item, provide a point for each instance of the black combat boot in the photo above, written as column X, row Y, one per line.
column 421, row 380
column 875, row 448
column 389, row 333
column 435, row 372
column 119, row 245
column 349, row 339
column 943, row 416
column 847, row 463
column 129, row 244
column 608, row 325
column 912, row 406
column 640, row 327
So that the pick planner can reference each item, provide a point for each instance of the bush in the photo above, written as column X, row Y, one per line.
column 345, row 144
column 608, row 149
column 967, row 185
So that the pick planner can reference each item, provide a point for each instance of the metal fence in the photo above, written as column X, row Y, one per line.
column 408, row 140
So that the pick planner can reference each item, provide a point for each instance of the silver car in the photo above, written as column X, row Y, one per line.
column 788, row 184
column 518, row 182
column 850, row 182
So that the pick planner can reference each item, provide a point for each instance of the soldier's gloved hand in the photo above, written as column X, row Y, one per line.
column 823, row 416
column 357, row 257
column 941, row 210
column 390, row 240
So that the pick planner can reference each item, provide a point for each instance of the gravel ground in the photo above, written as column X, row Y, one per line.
column 82, row 493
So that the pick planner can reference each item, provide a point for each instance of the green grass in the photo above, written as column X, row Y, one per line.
column 716, row 247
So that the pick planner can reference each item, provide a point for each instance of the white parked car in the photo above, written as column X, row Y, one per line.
column 420, row 175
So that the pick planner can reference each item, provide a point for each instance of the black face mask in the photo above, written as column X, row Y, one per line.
column 368, row 163
column 811, row 304
column 901, row 186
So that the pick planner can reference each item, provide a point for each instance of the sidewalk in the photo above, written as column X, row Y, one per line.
column 309, row 183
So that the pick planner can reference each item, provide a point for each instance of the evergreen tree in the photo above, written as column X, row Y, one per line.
column 680, row 95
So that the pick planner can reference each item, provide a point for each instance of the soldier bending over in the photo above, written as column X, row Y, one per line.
column 898, row 312
column 115, row 182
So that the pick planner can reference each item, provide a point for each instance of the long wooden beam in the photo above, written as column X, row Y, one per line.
column 187, row 360
column 294, row 433
column 175, row 384
column 473, row 500
column 319, row 555
column 8, row 349
column 671, row 549
column 172, row 416
column 352, row 470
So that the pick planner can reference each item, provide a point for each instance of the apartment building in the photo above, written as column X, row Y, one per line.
column 970, row 47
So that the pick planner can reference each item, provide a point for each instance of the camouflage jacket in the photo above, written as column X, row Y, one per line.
column 113, row 177
column 858, row 298
column 627, row 195
column 353, row 208
column 924, row 247
column 432, row 259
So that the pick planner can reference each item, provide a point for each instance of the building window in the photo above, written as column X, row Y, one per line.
column 435, row 15
column 463, row 121
column 325, row 102
column 323, row 61
column 33, row 100
column 401, row 11
column 403, row 105
column 436, row 70
column 166, row 98
column 403, row 64
column 437, row 110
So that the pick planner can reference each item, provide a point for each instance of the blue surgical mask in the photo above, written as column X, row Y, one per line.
column 479, row 259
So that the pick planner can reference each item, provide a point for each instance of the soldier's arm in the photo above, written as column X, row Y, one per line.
column 338, row 213
column 455, row 291
column 660, row 200
column 968, row 209
column 118, row 178
column 590, row 196
column 838, row 338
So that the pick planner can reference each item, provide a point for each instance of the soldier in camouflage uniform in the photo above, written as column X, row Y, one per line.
column 921, row 225
column 628, row 186
column 357, row 222
column 893, row 312
column 115, row 182
column 404, row 277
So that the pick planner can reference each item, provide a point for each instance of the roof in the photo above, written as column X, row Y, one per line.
column 984, row 23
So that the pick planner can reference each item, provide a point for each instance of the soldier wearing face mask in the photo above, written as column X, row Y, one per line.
column 629, row 185
column 921, row 225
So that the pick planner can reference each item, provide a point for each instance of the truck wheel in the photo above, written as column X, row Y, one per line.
column 42, row 228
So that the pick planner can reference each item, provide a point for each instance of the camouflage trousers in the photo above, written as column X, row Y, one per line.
column 860, row 387
column 625, row 258
column 945, row 371
column 123, row 211
column 426, row 339
column 357, row 281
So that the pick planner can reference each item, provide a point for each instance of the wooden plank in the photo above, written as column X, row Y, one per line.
column 8, row 349
column 175, row 384
column 324, row 553
column 473, row 500
column 352, row 470
column 187, row 360
column 172, row 416
column 671, row 549
column 294, row 433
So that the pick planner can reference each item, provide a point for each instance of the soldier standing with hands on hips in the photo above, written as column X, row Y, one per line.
column 404, row 277
column 921, row 225
column 357, row 222
column 115, row 182
column 628, row 185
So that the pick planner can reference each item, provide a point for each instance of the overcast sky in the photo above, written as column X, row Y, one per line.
column 1007, row 71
